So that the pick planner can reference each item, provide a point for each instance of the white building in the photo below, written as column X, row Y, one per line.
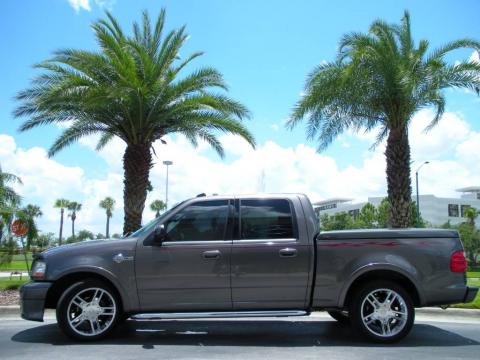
column 434, row 210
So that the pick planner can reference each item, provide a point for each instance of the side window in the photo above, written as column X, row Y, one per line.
column 266, row 219
column 203, row 220
column 453, row 210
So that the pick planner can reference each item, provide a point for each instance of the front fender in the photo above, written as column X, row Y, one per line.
column 129, row 302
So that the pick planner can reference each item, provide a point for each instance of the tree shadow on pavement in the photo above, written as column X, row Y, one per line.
column 268, row 333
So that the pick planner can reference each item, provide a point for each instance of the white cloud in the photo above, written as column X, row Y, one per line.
column 451, row 148
column 77, row 5
column 475, row 57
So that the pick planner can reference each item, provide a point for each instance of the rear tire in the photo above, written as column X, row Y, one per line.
column 88, row 310
column 382, row 311
column 341, row 316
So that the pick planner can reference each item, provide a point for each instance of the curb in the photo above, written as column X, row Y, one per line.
column 472, row 314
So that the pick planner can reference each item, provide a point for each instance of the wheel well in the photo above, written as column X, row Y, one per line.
column 60, row 285
column 390, row 275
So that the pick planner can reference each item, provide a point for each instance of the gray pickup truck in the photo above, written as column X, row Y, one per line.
column 248, row 256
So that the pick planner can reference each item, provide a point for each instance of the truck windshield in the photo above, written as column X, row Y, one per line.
column 149, row 226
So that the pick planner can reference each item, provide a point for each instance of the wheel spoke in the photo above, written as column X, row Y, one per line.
column 383, row 327
column 77, row 300
column 388, row 327
column 373, row 300
column 77, row 321
column 92, row 326
column 107, row 311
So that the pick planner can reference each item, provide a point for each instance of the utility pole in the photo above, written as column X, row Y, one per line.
column 418, row 197
column 167, row 163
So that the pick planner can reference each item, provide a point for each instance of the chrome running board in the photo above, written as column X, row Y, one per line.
column 219, row 314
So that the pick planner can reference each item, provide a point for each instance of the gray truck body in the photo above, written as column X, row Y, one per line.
column 310, row 271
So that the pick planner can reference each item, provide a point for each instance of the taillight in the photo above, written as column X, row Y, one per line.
column 458, row 263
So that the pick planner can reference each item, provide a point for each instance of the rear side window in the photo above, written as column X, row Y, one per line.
column 201, row 221
column 266, row 219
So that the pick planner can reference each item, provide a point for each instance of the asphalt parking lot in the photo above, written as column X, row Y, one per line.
column 314, row 337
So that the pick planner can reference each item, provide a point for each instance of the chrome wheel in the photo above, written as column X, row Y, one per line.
column 91, row 311
column 384, row 312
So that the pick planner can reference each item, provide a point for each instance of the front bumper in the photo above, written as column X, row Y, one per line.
column 470, row 294
column 32, row 300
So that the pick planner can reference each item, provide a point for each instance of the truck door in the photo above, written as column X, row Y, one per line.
column 270, row 255
column 190, row 271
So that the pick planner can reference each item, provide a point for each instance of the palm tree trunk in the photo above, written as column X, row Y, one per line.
column 61, row 227
column 73, row 225
column 137, row 162
column 398, row 177
column 107, row 232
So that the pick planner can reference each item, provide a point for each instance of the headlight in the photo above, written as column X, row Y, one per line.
column 38, row 269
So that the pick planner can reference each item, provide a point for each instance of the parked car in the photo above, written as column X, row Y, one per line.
column 248, row 256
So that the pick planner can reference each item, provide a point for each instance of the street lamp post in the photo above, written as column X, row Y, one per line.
column 418, row 198
column 167, row 163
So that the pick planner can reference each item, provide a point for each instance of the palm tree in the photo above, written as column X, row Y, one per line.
column 379, row 81
column 131, row 89
column 29, row 213
column 108, row 203
column 7, row 193
column 471, row 214
column 73, row 206
column 157, row 206
column 61, row 204
column 9, row 202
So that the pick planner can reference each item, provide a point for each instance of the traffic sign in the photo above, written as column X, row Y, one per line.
column 19, row 228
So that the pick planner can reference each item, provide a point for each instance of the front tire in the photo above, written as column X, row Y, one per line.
column 88, row 310
column 382, row 311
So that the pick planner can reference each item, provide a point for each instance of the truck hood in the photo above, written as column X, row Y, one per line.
column 89, row 246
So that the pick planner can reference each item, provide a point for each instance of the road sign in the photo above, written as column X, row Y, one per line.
column 19, row 228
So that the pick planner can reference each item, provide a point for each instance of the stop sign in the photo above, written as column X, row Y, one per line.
column 19, row 228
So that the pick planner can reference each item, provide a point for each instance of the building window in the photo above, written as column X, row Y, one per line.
column 354, row 213
column 464, row 208
column 478, row 195
column 453, row 210
column 326, row 207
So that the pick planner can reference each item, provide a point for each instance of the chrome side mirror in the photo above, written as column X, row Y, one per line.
column 159, row 234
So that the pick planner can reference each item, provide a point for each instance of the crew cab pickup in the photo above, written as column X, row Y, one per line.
column 248, row 256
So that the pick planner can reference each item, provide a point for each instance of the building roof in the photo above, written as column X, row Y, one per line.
column 335, row 200
column 469, row 189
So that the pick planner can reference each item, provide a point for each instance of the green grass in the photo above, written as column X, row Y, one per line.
column 16, row 265
column 475, row 304
column 7, row 284
column 473, row 274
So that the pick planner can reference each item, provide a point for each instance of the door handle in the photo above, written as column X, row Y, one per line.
column 288, row 252
column 212, row 254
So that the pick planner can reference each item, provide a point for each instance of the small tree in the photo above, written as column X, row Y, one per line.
column 61, row 204
column 84, row 235
column 337, row 221
column 44, row 240
column 367, row 217
column 470, row 235
column 29, row 213
column 157, row 206
column 108, row 204
column 74, row 207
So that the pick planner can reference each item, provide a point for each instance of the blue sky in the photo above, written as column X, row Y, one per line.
column 264, row 49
